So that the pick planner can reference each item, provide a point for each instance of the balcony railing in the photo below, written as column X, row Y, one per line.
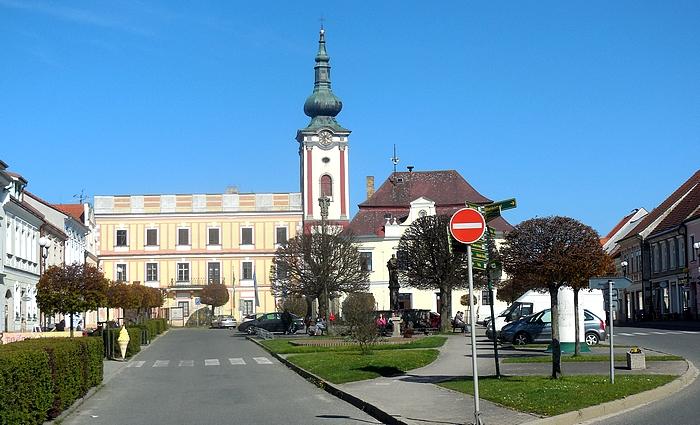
column 195, row 281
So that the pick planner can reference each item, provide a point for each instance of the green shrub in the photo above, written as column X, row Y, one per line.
column 26, row 390
column 74, row 365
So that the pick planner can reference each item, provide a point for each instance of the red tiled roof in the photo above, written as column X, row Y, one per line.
column 77, row 211
column 668, row 204
column 447, row 189
column 682, row 211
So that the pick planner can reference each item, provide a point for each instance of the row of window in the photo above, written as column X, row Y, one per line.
column 668, row 254
column 183, row 272
column 183, row 236
column 21, row 239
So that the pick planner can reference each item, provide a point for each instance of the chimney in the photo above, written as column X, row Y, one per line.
column 370, row 186
column 410, row 168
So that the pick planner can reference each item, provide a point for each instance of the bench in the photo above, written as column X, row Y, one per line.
column 461, row 326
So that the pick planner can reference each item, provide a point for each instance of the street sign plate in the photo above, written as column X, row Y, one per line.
column 601, row 282
column 614, row 305
column 615, row 294
column 467, row 225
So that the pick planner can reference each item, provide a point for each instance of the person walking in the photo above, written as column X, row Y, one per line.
column 286, row 322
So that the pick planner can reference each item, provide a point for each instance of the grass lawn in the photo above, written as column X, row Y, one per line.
column 545, row 396
column 341, row 367
column 282, row 346
column 588, row 358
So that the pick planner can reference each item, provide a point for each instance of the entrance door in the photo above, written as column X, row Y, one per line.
column 185, row 305
column 405, row 302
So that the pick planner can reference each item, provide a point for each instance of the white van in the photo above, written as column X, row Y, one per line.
column 532, row 302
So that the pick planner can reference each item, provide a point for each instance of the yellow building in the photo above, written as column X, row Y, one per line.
column 180, row 243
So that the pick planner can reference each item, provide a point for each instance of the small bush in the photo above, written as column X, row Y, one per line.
column 134, row 341
column 358, row 314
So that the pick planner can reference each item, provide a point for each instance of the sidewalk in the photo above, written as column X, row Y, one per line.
column 676, row 325
column 413, row 399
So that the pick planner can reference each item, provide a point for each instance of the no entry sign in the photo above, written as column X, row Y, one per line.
column 467, row 225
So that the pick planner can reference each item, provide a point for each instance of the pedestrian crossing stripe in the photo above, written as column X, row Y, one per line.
column 234, row 361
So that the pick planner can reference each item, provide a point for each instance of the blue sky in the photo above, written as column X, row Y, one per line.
column 585, row 109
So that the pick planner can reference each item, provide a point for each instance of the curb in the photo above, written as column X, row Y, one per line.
column 91, row 392
column 363, row 405
column 616, row 407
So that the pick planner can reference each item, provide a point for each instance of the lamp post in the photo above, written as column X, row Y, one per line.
column 624, row 264
column 44, row 251
column 324, row 202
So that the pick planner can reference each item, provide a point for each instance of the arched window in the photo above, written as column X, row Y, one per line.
column 326, row 185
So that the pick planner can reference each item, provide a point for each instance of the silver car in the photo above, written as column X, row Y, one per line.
column 222, row 322
column 538, row 328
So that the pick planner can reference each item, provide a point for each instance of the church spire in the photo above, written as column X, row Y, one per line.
column 323, row 106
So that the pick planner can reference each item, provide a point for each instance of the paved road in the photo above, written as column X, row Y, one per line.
column 679, row 409
column 198, row 376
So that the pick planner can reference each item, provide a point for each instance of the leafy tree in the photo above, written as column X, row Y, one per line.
column 551, row 252
column 511, row 289
column 358, row 313
column 71, row 289
column 312, row 263
column 215, row 295
column 429, row 263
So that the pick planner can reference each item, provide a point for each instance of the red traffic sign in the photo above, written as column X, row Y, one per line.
column 467, row 225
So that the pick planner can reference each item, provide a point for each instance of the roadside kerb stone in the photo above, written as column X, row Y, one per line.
column 110, row 369
column 363, row 405
column 616, row 407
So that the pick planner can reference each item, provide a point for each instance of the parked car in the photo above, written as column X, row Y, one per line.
column 538, row 328
column 271, row 322
column 533, row 301
column 250, row 317
column 224, row 321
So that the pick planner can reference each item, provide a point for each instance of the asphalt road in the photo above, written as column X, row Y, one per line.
column 678, row 409
column 202, row 376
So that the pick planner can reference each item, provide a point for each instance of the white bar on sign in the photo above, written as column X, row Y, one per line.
column 458, row 226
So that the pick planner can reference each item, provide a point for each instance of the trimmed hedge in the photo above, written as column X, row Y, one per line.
column 26, row 389
column 49, row 374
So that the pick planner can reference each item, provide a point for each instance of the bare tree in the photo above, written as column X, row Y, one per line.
column 551, row 252
column 428, row 262
column 314, row 264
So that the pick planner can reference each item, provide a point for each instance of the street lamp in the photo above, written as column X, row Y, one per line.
column 44, row 244
column 624, row 268
column 324, row 202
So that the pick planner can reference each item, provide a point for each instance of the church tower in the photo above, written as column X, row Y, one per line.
column 323, row 149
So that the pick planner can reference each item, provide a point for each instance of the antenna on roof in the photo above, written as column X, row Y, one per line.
column 80, row 196
column 395, row 159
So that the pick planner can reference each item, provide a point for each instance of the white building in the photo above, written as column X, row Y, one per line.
column 384, row 217
column 21, row 260
column 75, row 232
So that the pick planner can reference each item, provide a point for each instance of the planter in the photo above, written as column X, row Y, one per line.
column 636, row 361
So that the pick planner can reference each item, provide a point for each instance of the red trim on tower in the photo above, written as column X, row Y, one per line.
column 342, row 183
column 309, row 185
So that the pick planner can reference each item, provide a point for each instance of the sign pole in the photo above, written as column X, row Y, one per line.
column 610, row 319
column 475, row 373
